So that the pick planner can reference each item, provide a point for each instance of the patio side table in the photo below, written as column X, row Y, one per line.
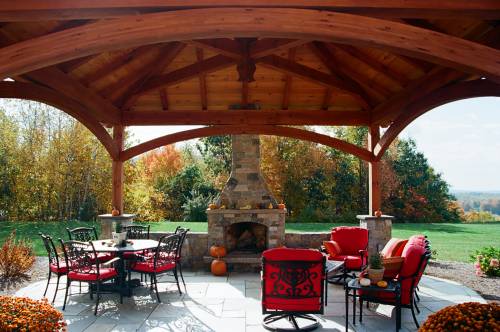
column 355, row 286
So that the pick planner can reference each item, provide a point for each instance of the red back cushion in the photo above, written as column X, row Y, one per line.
column 417, row 240
column 412, row 255
column 350, row 239
column 292, row 279
column 393, row 248
column 332, row 248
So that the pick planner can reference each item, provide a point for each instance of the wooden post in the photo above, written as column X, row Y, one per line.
column 117, row 166
column 374, row 191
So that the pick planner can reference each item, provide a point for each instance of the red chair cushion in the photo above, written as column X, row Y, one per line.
column 275, row 294
column 332, row 248
column 350, row 239
column 148, row 267
column 417, row 240
column 351, row 262
column 62, row 268
column 104, row 273
column 393, row 248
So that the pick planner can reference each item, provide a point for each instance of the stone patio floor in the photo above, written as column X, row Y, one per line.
column 232, row 304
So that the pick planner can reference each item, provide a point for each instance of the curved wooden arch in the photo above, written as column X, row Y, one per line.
column 308, row 24
column 463, row 90
column 50, row 97
column 235, row 130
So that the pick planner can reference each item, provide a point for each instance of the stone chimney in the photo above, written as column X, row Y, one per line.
column 246, row 186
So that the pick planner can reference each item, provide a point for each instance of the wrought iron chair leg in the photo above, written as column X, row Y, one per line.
column 416, row 306
column 57, row 288
column 182, row 277
column 177, row 281
column 414, row 316
column 48, row 281
column 68, row 285
column 98, row 296
column 416, row 295
column 156, row 287
column 294, row 322
column 360, row 310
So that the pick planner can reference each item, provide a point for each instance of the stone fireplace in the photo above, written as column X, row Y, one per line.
column 247, row 220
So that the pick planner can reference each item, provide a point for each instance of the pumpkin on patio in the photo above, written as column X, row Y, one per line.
column 212, row 206
column 218, row 267
column 281, row 206
column 470, row 316
column 217, row 251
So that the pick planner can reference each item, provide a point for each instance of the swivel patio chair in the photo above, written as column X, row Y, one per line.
column 82, row 267
column 293, row 288
column 415, row 260
column 348, row 244
column 57, row 264
column 160, row 262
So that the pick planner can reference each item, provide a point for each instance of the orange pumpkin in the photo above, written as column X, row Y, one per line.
column 378, row 213
column 212, row 206
column 115, row 212
column 218, row 267
column 218, row 251
column 281, row 206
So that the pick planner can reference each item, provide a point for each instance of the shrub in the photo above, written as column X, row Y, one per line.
column 487, row 261
column 195, row 208
column 24, row 314
column 16, row 258
column 471, row 316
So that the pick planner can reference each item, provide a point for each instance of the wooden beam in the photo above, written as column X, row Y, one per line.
column 425, row 103
column 117, row 170
column 307, row 73
column 224, row 46
column 206, row 66
column 202, row 78
column 288, row 81
column 254, row 117
column 374, row 190
column 246, row 129
column 265, row 47
column 30, row 10
column 98, row 107
column 60, row 101
column 164, row 99
column 69, row 66
column 132, row 31
column 137, row 80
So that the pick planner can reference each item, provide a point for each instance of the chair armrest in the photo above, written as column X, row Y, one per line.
column 111, row 261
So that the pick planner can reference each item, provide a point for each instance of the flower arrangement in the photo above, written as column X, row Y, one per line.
column 16, row 258
column 487, row 261
column 24, row 314
column 471, row 316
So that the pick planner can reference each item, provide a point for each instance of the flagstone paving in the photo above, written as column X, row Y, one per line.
column 232, row 304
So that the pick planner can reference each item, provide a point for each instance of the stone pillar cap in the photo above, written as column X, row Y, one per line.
column 368, row 217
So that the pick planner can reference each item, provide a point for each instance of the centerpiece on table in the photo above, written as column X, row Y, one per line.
column 119, row 236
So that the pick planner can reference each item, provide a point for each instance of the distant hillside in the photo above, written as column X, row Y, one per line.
column 479, row 200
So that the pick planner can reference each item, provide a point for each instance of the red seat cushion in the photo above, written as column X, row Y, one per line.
column 418, row 240
column 350, row 239
column 62, row 268
column 276, row 295
column 393, row 248
column 104, row 273
column 351, row 262
column 148, row 266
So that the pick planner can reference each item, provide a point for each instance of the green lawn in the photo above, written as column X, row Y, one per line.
column 450, row 241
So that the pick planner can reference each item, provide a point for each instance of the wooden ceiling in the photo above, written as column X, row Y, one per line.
column 345, row 62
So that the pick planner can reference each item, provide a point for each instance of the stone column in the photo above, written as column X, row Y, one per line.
column 379, row 231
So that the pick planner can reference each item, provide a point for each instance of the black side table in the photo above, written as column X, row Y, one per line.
column 355, row 286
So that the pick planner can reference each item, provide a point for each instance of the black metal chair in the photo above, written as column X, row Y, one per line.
column 83, row 234
column 137, row 231
column 161, row 261
column 82, row 267
column 178, row 256
column 57, row 265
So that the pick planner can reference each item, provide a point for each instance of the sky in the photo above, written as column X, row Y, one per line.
column 461, row 140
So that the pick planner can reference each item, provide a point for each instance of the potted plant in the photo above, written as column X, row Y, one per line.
column 376, row 268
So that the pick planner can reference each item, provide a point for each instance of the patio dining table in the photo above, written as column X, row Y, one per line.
column 132, row 246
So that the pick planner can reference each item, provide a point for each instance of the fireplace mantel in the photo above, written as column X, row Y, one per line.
column 246, row 211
